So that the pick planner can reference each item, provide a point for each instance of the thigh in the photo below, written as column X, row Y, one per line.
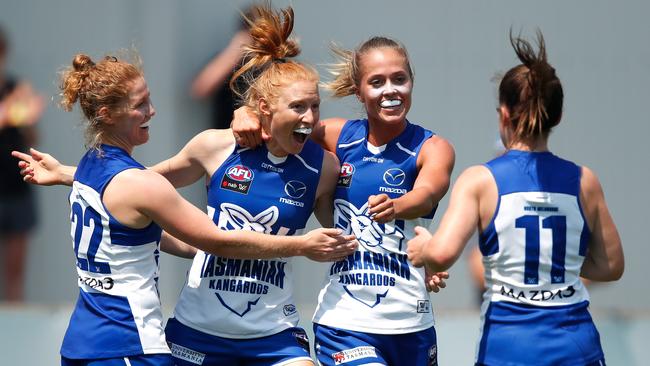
column 289, row 347
column 191, row 347
column 334, row 346
column 418, row 348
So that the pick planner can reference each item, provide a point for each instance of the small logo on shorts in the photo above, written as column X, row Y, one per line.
column 423, row 306
column 302, row 339
column 187, row 354
column 352, row 354
column 289, row 309
column 433, row 356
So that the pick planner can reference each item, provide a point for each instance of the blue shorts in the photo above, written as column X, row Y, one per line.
column 140, row 360
column 191, row 347
column 517, row 334
column 349, row 348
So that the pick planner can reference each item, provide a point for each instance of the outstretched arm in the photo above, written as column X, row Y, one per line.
column 43, row 169
column 149, row 194
column 201, row 156
column 441, row 251
column 604, row 260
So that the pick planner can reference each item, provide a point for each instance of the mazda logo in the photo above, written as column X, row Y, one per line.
column 394, row 177
column 295, row 189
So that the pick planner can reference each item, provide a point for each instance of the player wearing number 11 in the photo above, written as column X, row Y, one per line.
column 542, row 223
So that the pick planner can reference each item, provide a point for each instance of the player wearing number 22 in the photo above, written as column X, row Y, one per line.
column 543, row 223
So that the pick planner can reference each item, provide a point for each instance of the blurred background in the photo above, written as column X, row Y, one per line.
column 599, row 48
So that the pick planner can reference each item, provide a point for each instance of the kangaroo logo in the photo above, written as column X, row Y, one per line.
column 233, row 217
column 394, row 177
column 369, row 233
column 295, row 189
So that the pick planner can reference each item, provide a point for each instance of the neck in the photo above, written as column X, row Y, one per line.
column 380, row 134
column 275, row 149
column 117, row 142
column 538, row 145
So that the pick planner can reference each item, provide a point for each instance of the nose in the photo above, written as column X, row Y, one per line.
column 152, row 110
column 310, row 116
column 389, row 88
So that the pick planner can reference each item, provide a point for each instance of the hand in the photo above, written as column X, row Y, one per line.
column 415, row 246
column 381, row 208
column 247, row 129
column 328, row 245
column 39, row 168
column 435, row 281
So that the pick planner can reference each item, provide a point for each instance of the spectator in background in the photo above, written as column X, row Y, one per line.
column 20, row 109
column 212, row 80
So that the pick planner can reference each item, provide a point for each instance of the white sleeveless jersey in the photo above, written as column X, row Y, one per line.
column 251, row 298
column 118, row 311
column 376, row 289
column 535, row 246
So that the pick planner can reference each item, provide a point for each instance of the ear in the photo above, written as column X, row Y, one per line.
column 104, row 115
column 504, row 116
column 264, row 107
column 358, row 94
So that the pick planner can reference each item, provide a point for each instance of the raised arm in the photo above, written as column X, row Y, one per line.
column 152, row 197
column 435, row 163
column 201, row 156
column 440, row 251
column 604, row 260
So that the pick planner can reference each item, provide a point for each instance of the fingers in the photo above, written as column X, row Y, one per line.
column 36, row 155
column 21, row 155
column 419, row 230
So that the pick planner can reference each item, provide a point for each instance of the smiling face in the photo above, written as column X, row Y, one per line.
column 130, row 125
column 291, row 118
column 385, row 85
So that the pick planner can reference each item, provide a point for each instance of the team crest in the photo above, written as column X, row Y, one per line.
column 233, row 217
column 238, row 178
column 369, row 233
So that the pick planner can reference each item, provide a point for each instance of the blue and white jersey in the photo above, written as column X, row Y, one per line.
column 257, row 191
column 535, row 245
column 376, row 289
column 118, row 310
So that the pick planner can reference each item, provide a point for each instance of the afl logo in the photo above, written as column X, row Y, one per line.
column 295, row 189
column 394, row 177
column 240, row 173
column 345, row 178
column 347, row 170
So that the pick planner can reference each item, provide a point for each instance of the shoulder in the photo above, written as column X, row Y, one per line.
column 437, row 149
column 475, row 178
column 213, row 139
column 139, row 181
column 589, row 184
column 326, row 132
column 330, row 164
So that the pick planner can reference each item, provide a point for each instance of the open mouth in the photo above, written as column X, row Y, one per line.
column 391, row 103
column 301, row 134
column 145, row 125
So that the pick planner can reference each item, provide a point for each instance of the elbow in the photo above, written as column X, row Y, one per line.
column 616, row 271
column 439, row 261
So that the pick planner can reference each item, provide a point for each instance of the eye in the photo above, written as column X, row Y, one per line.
column 376, row 82
column 298, row 107
column 401, row 79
